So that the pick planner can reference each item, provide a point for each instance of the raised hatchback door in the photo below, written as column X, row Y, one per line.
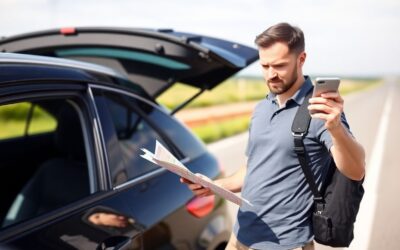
column 154, row 59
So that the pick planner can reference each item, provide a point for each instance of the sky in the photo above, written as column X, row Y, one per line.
column 358, row 38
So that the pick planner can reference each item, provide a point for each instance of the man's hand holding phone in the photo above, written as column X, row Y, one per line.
column 326, row 102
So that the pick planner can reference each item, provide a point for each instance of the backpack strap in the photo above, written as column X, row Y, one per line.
column 300, row 127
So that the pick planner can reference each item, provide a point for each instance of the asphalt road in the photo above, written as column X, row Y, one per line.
column 375, row 122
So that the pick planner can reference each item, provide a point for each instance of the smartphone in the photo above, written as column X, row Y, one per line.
column 325, row 84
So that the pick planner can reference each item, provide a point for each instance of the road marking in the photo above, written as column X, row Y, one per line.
column 365, row 217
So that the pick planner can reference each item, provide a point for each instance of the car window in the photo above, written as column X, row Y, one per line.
column 44, row 158
column 133, row 131
column 41, row 121
column 113, row 53
column 24, row 118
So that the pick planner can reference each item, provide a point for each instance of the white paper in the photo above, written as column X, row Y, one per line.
column 165, row 159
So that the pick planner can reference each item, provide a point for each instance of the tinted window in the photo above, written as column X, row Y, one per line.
column 113, row 53
column 133, row 132
column 47, row 168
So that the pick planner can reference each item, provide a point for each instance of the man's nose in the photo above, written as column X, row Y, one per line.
column 271, row 73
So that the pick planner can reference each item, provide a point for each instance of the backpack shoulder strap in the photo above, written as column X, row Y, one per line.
column 302, row 118
column 300, row 127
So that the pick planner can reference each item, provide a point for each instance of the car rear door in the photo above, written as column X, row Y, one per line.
column 62, row 203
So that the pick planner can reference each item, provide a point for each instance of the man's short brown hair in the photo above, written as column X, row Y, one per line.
column 282, row 32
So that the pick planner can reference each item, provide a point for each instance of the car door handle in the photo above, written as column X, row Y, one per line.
column 115, row 243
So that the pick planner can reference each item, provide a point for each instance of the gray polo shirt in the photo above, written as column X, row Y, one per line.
column 275, row 183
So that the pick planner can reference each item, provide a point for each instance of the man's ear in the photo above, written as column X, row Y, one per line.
column 302, row 58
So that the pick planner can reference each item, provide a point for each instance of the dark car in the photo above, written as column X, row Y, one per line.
column 71, row 133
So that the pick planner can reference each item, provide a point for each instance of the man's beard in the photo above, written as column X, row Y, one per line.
column 283, row 86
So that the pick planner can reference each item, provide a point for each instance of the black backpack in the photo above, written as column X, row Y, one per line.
column 336, row 204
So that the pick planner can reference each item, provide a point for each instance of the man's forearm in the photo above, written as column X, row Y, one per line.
column 348, row 154
column 234, row 182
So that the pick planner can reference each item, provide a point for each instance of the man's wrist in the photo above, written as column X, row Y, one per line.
column 337, row 131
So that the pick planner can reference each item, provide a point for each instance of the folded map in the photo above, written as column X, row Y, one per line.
column 162, row 157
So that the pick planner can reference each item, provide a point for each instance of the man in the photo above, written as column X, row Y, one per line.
column 273, row 180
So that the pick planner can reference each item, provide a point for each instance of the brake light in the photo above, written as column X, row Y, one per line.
column 221, row 167
column 68, row 31
column 201, row 206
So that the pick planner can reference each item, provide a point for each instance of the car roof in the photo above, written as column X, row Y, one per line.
column 20, row 59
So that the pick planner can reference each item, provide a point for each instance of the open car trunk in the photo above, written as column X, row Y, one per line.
column 153, row 59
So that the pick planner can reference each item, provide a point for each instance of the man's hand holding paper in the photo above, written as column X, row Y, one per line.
column 198, row 189
column 199, row 184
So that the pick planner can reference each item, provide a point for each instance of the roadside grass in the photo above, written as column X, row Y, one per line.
column 231, row 90
column 11, row 129
column 13, row 120
column 214, row 131
column 348, row 86
column 16, row 128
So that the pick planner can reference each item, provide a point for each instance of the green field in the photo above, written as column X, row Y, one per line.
column 14, row 120
column 215, row 131
column 239, row 90
column 232, row 90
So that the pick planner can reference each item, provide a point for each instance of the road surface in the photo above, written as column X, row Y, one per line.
column 375, row 122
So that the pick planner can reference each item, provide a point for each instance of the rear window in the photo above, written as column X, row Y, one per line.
column 123, row 54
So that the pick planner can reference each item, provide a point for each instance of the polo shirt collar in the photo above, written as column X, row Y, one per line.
column 300, row 94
